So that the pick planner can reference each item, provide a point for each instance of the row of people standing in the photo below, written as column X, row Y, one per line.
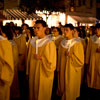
column 67, row 57
column 71, row 57
column 18, row 52
column 49, row 58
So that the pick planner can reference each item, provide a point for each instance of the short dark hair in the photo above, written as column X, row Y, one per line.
column 25, row 25
column 70, row 26
column 41, row 22
column 78, row 29
column 59, row 30
column 7, row 31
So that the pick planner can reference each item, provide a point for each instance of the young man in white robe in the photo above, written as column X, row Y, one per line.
column 6, row 67
column 41, row 63
column 93, row 64
column 70, row 62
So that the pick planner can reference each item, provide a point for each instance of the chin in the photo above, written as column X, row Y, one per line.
column 66, row 36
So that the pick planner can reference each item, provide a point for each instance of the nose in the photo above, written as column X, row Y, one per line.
column 35, row 29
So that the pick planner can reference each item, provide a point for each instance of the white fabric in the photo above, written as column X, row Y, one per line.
column 79, row 39
column 18, row 36
column 95, row 39
column 41, row 42
column 55, row 38
column 69, row 43
column 2, row 38
column 12, row 42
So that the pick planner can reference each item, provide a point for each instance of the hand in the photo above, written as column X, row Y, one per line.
column 37, row 56
column 69, row 54
column 98, row 50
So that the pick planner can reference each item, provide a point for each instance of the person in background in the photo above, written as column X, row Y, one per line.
column 91, row 31
column 70, row 62
column 17, row 32
column 41, row 63
column 23, row 22
column 20, row 40
column 93, row 65
column 6, row 66
column 62, row 29
column 48, row 31
column 26, row 31
column 57, row 38
column 14, row 92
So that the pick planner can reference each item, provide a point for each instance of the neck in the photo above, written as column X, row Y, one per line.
column 56, row 35
column 42, row 36
column 98, row 35
column 70, row 37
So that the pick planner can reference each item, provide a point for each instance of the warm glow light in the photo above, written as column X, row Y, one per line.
column 74, row 22
column 62, row 18
column 71, row 20
column 53, row 19
column 90, row 24
column 29, row 22
column 19, row 22
column 83, row 24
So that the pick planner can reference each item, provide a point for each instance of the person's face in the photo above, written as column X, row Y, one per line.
column 55, row 32
column 17, row 31
column 75, row 33
column 62, row 29
column 68, row 32
column 98, row 31
column 47, row 31
column 39, row 29
column 24, row 27
column 11, row 24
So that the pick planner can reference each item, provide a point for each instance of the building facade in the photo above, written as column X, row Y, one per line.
column 76, row 11
column 11, row 4
column 81, row 11
column 98, row 9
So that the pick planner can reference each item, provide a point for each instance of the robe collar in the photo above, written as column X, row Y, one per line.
column 95, row 39
column 56, row 38
column 41, row 42
column 79, row 39
column 2, row 38
column 12, row 42
column 18, row 36
column 69, row 43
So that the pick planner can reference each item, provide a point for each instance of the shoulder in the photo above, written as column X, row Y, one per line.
column 2, row 38
column 78, row 45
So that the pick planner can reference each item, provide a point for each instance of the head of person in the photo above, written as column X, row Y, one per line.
column 62, row 29
column 48, row 31
column 17, row 30
column 40, row 28
column 56, row 31
column 24, row 26
column 11, row 24
column 76, row 32
column 97, row 30
column 68, row 31
column 6, row 32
